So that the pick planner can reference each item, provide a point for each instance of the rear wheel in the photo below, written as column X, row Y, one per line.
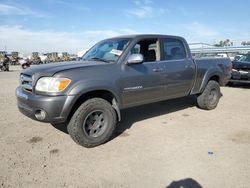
column 210, row 97
column 93, row 123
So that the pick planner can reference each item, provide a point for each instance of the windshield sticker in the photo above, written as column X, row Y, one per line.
column 116, row 52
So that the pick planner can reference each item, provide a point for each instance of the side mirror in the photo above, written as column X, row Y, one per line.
column 135, row 59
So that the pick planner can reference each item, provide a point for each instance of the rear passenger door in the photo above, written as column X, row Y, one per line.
column 180, row 69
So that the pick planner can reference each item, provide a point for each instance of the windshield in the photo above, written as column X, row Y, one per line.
column 108, row 50
column 245, row 58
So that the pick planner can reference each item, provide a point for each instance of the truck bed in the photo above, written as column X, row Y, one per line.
column 206, row 66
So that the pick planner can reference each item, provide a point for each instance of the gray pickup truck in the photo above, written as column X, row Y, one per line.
column 115, row 74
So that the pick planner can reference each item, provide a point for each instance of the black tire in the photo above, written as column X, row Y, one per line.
column 230, row 84
column 210, row 97
column 93, row 123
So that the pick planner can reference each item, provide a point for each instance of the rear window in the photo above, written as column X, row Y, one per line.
column 173, row 49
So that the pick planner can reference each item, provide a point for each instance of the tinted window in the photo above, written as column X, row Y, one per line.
column 245, row 58
column 173, row 49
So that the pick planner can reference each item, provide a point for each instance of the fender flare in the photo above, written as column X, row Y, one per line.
column 81, row 88
column 208, row 75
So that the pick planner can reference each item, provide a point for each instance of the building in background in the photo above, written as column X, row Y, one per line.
column 200, row 45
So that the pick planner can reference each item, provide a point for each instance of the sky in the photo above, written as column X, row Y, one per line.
column 74, row 25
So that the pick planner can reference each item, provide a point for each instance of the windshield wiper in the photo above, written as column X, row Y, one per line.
column 99, row 59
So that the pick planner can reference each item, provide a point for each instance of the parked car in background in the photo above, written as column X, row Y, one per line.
column 35, row 58
column 241, row 70
column 14, row 58
column 237, row 57
column 4, row 63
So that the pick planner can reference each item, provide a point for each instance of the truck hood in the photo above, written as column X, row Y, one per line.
column 53, row 68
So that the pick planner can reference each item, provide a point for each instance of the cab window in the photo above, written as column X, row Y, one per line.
column 148, row 48
column 173, row 49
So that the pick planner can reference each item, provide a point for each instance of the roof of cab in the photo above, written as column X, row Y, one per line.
column 146, row 36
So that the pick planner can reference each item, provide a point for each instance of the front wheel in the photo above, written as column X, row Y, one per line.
column 25, row 66
column 93, row 123
column 210, row 97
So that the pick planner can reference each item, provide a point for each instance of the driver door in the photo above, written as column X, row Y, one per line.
column 144, row 83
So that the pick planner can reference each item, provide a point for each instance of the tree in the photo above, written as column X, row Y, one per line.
column 245, row 43
column 226, row 42
column 221, row 44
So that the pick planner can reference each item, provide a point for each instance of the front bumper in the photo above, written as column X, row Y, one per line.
column 240, row 76
column 56, row 108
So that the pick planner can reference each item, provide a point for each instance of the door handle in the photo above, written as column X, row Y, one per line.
column 158, row 70
column 188, row 66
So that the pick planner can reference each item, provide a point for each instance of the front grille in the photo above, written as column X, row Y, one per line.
column 26, row 82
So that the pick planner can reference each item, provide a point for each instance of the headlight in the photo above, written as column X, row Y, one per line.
column 50, row 84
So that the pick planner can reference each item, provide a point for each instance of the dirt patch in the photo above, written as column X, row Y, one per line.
column 152, row 148
column 241, row 137
column 54, row 151
column 35, row 139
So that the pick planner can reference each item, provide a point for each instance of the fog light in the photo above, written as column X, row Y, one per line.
column 40, row 114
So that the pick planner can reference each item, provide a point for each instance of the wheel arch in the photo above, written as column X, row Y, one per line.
column 213, row 74
column 103, row 93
